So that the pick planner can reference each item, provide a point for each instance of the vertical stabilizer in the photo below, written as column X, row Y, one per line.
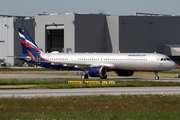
column 27, row 42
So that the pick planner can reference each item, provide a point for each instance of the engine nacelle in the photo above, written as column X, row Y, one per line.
column 124, row 73
column 97, row 71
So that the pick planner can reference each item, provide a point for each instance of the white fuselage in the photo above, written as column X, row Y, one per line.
column 114, row 61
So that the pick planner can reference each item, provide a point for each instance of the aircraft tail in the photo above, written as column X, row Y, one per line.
column 27, row 43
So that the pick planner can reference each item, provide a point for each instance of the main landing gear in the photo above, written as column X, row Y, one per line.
column 156, row 73
column 85, row 76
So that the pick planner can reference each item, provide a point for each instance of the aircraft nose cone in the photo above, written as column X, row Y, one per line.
column 170, row 65
column 173, row 65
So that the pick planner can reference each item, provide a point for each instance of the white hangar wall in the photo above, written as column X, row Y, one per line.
column 9, row 38
column 112, row 34
column 46, row 23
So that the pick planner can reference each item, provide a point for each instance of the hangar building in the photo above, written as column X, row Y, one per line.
column 73, row 32
column 107, row 33
column 9, row 38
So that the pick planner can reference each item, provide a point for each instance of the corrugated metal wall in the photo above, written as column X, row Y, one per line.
column 7, row 39
column 148, row 33
column 29, row 25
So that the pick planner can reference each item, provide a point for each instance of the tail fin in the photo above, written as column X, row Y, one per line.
column 27, row 42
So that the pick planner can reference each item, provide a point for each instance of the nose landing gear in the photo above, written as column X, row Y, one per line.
column 156, row 73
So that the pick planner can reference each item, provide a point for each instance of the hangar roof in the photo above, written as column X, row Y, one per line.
column 172, row 49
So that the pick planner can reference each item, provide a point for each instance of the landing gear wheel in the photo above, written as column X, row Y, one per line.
column 157, row 78
column 105, row 77
column 84, row 76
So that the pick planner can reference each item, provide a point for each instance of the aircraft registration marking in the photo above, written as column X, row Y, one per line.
column 91, row 82
column 75, row 82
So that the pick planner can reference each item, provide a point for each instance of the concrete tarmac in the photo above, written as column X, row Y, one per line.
column 45, row 76
column 88, row 91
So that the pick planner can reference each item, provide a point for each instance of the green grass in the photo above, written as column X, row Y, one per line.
column 170, row 72
column 63, row 83
column 97, row 107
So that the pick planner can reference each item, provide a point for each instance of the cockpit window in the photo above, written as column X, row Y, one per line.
column 165, row 59
column 168, row 59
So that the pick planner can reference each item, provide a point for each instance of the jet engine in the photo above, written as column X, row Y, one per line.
column 124, row 73
column 97, row 72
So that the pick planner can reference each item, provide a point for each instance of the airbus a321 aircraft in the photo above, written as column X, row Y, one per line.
column 93, row 64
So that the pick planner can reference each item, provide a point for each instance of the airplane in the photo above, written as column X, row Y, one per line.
column 93, row 64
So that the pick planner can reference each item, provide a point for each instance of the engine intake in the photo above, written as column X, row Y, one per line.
column 97, row 71
column 124, row 73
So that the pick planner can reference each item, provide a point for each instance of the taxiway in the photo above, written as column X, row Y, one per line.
column 88, row 91
column 46, row 76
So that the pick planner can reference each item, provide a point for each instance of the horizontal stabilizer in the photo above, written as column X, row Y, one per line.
column 27, row 58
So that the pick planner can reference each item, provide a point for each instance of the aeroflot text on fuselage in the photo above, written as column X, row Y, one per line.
column 136, row 55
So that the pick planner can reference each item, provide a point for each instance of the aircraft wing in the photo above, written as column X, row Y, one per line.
column 79, row 65
column 88, row 65
column 103, row 64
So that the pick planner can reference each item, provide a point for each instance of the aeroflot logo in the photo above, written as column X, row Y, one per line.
column 136, row 55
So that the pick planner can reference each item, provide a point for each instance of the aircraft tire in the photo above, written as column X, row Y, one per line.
column 157, row 78
column 84, row 76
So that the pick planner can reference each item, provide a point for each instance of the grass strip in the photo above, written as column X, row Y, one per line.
column 63, row 83
column 99, row 107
